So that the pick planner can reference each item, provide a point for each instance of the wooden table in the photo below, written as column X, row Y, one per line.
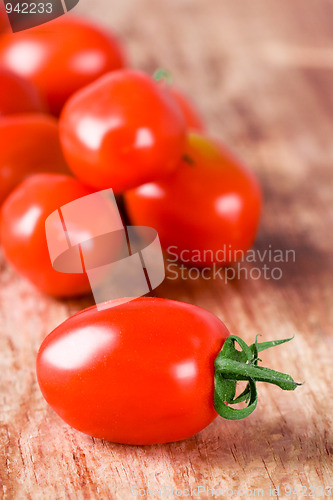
column 261, row 71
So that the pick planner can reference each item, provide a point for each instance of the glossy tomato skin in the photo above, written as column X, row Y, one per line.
column 23, row 236
column 17, row 95
column 140, row 372
column 29, row 143
column 204, row 211
column 191, row 114
column 61, row 57
column 121, row 131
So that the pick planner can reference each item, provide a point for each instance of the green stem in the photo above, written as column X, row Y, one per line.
column 232, row 365
column 164, row 75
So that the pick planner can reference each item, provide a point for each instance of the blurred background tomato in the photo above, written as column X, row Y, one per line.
column 61, row 57
column 29, row 143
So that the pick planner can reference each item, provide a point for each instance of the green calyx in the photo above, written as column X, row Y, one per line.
column 232, row 365
column 163, row 75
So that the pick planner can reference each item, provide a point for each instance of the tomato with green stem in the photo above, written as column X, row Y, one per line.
column 142, row 372
column 121, row 131
column 17, row 95
column 29, row 144
column 205, row 212
column 61, row 57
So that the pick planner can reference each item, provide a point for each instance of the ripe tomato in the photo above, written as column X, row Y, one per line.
column 192, row 116
column 206, row 210
column 121, row 131
column 23, row 231
column 149, row 371
column 60, row 57
column 138, row 373
column 29, row 143
column 17, row 95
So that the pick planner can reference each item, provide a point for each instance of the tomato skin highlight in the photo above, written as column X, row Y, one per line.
column 210, row 203
column 140, row 372
column 17, row 95
column 29, row 144
column 61, row 57
column 23, row 235
column 121, row 131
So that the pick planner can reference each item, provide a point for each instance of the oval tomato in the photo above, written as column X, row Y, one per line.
column 23, row 235
column 122, row 130
column 192, row 116
column 29, row 144
column 60, row 57
column 138, row 373
column 149, row 371
column 204, row 212
column 17, row 95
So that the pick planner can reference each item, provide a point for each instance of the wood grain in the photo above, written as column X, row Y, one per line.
column 261, row 72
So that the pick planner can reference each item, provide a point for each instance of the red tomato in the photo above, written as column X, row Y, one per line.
column 192, row 116
column 138, row 373
column 29, row 144
column 149, row 371
column 60, row 57
column 121, row 131
column 4, row 23
column 23, row 235
column 17, row 95
column 204, row 211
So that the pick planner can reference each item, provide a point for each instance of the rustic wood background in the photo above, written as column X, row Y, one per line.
column 261, row 71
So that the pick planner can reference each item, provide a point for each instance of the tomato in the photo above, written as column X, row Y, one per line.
column 84, row 236
column 206, row 210
column 192, row 116
column 29, row 143
column 138, row 373
column 17, row 95
column 60, row 57
column 121, row 131
column 142, row 372
column 23, row 235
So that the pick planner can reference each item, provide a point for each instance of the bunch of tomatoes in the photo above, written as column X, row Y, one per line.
column 75, row 119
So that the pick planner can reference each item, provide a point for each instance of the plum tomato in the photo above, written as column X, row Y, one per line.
column 206, row 211
column 149, row 371
column 121, row 131
column 191, row 114
column 138, row 373
column 17, row 95
column 61, row 57
column 29, row 143
column 23, row 235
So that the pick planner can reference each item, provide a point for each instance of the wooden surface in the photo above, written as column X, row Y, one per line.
column 262, row 73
